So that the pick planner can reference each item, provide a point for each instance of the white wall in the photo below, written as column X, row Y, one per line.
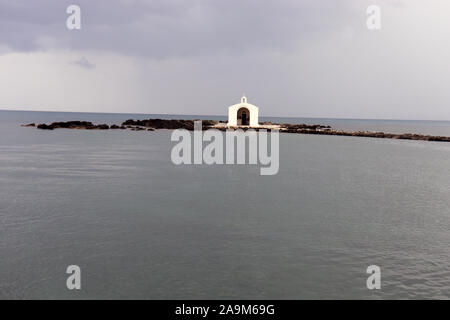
column 233, row 110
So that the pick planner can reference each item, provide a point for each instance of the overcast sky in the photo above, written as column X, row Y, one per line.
column 301, row 58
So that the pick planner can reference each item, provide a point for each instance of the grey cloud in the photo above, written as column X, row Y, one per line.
column 83, row 63
column 167, row 28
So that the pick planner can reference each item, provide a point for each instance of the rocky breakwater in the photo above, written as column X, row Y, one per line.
column 327, row 130
column 155, row 124
column 134, row 125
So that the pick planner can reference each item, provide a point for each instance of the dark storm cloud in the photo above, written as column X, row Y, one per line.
column 166, row 28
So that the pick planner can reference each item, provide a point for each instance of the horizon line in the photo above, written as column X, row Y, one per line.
column 225, row 116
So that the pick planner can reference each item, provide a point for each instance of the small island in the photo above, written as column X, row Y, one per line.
column 156, row 124
column 242, row 116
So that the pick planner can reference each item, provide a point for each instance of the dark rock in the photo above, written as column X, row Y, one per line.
column 168, row 124
column 43, row 126
column 297, row 127
column 73, row 125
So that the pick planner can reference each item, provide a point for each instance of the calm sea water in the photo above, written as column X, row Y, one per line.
column 140, row 227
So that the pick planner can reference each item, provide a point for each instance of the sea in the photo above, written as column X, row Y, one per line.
column 140, row 227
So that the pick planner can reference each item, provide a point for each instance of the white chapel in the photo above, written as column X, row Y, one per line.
column 243, row 114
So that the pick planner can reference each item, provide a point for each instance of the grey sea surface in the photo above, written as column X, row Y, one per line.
column 141, row 227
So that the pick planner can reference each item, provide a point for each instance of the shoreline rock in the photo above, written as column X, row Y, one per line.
column 81, row 125
column 167, row 124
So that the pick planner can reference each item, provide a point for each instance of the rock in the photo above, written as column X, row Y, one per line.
column 297, row 127
column 209, row 123
column 73, row 125
column 168, row 124
column 29, row 125
column 43, row 126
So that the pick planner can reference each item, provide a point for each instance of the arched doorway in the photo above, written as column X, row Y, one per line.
column 243, row 117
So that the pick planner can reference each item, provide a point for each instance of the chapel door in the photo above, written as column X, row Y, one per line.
column 244, row 119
